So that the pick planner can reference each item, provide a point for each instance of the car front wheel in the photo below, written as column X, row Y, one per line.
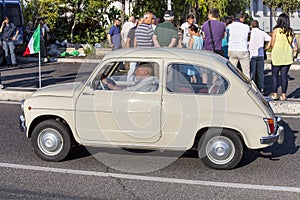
column 220, row 149
column 51, row 140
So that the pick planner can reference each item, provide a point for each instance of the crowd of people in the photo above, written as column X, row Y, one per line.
column 245, row 46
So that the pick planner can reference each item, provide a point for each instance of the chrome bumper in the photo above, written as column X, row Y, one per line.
column 22, row 123
column 277, row 137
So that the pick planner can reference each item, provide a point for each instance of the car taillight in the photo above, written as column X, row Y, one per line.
column 270, row 124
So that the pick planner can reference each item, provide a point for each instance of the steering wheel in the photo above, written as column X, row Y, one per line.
column 108, row 80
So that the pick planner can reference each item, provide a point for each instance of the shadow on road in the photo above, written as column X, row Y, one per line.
column 276, row 151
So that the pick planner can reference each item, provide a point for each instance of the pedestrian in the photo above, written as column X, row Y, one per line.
column 227, row 20
column 155, row 22
column 143, row 36
column 9, row 34
column 282, row 54
column 114, row 35
column 185, row 28
column 43, row 40
column 256, row 49
column 213, row 32
column 196, row 40
column 238, row 36
column 130, row 44
column 130, row 36
column 125, row 29
column 166, row 34
column 29, row 30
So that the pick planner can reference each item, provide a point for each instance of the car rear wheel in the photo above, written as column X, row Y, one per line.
column 51, row 140
column 220, row 149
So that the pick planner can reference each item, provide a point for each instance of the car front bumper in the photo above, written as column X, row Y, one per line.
column 278, row 135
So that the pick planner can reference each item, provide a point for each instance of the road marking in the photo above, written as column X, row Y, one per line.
column 152, row 178
column 10, row 102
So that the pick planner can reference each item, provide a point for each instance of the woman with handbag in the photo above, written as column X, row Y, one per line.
column 282, row 54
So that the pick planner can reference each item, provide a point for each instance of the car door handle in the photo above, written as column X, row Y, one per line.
column 87, row 93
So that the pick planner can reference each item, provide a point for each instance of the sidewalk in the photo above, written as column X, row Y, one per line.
column 22, row 81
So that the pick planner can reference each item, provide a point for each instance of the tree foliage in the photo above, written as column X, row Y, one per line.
column 78, row 21
column 87, row 21
column 287, row 6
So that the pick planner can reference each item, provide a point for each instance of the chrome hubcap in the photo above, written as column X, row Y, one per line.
column 220, row 150
column 50, row 141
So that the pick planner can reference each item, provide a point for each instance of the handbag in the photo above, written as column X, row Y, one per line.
column 220, row 52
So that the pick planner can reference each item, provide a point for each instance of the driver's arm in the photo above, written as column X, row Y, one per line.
column 111, row 85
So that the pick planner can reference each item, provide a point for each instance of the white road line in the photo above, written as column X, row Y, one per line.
column 10, row 102
column 151, row 178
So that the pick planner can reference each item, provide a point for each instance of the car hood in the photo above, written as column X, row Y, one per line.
column 62, row 90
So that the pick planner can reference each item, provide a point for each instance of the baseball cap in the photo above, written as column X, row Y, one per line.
column 169, row 15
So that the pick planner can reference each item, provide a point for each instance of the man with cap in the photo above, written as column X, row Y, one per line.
column 10, row 33
column 166, row 34
column 144, row 75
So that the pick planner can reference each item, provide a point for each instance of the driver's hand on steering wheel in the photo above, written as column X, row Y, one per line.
column 109, row 83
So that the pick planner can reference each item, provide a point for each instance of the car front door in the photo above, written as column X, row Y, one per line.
column 119, row 116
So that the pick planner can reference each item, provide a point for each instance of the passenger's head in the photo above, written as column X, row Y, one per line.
column 213, row 13
column 148, row 16
column 143, row 71
column 254, row 24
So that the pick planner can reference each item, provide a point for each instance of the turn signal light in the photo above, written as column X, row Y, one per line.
column 271, row 124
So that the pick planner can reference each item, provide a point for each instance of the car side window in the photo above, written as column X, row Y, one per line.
column 188, row 78
column 129, row 76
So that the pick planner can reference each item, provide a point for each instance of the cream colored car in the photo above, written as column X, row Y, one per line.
column 187, row 99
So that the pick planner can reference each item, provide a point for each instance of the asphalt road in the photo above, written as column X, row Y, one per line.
column 272, row 173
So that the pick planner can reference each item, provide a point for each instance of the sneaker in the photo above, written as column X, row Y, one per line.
column 1, row 86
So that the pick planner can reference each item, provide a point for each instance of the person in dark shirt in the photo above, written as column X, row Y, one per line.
column 10, row 33
column 114, row 35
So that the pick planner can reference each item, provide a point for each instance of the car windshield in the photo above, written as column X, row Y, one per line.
column 237, row 72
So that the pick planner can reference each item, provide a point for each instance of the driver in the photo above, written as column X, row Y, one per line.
column 144, row 75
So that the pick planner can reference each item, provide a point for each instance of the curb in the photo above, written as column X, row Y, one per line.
column 286, row 107
column 66, row 60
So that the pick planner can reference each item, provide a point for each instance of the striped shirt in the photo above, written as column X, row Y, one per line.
column 143, row 35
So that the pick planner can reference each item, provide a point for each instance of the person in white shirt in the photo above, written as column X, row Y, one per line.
column 238, row 33
column 256, row 49
column 126, row 27
column 185, row 28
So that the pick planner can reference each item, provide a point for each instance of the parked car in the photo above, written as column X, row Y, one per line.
column 190, row 99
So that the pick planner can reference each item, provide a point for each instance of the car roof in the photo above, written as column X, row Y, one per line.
column 163, row 53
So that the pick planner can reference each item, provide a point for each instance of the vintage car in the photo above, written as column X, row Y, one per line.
column 157, row 99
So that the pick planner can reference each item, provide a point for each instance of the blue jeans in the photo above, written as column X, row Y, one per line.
column 257, row 70
column 9, row 49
